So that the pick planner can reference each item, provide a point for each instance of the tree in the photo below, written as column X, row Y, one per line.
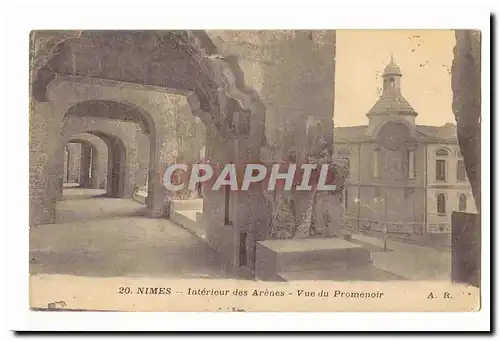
column 466, row 86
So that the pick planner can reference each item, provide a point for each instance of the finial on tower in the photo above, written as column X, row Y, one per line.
column 392, row 68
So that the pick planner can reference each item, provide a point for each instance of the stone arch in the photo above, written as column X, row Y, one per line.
column 121, row 145
column 395, row 122
column 118, row 185
column 443, row 152
column 185, row 63
column 213, row 77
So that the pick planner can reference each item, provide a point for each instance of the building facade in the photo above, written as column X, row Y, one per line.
column 404, row 177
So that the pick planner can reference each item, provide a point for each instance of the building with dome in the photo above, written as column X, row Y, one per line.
column 404, row 177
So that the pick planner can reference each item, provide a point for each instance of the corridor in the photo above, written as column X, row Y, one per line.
column 107, row 237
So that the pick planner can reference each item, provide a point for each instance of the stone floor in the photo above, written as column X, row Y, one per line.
column 106, row 237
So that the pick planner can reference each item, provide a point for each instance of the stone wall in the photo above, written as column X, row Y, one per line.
column 156, row 105
column 282, row 81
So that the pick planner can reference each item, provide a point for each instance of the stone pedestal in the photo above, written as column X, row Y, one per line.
column 328, row 254
column 466, row 248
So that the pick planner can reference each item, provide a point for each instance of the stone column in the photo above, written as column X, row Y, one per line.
column 85, row 164
column 411, row 164
column 75, row 152
column 163, row 152
column 143, row 144
column 376, row 162
column 44, row 126
column 65, row 167
column 298, row 90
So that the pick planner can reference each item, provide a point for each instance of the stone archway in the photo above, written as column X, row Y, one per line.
column 99, row 158
column 121, row 149
column 184, row 60
column 85, row 171
column 116, row 163
column 231, row 80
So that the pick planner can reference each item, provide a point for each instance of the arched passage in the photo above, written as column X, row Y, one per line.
column 97, row 164
column 122, row 126
column 103, row 76
column 114, row 142
column 117, row 160
column 86, row 162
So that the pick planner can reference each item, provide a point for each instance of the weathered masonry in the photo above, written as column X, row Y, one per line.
column 121, row 94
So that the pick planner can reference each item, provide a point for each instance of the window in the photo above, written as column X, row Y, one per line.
column 392, row 83
column 441, row 203
column 441, row 170
column 460, row 170
column 348, row 165
column 462, row 203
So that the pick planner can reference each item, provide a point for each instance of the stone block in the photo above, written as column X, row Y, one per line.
column 278, row 256
column 466, row 248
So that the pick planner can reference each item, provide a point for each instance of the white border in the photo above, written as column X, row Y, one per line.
column 20, row 19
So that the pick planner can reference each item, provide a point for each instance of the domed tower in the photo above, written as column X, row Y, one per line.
column 391, row 103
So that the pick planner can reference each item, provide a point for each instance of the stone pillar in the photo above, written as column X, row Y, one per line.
column 75, row 152
column 99, row 163
column 411, row 164
column 62, row 176
column 143, row 144
column 293, row 75
column 162, row 154
column 85, row 164
column 298, row 91
column 65, row 167
column 44, row 125
column 376, row 162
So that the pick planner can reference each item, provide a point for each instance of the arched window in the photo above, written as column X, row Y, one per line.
column 441, row 166
column 462, row 203
column 442, row 152
column 441, row 170
column 460, row 170
column 441, row 203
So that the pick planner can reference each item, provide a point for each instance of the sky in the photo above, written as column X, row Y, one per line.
column 425, row 58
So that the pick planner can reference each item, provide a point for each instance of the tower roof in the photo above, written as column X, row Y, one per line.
column 392, row 101
column 392, row 69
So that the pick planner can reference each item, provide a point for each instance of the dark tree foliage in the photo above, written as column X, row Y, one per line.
column 466, row 85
